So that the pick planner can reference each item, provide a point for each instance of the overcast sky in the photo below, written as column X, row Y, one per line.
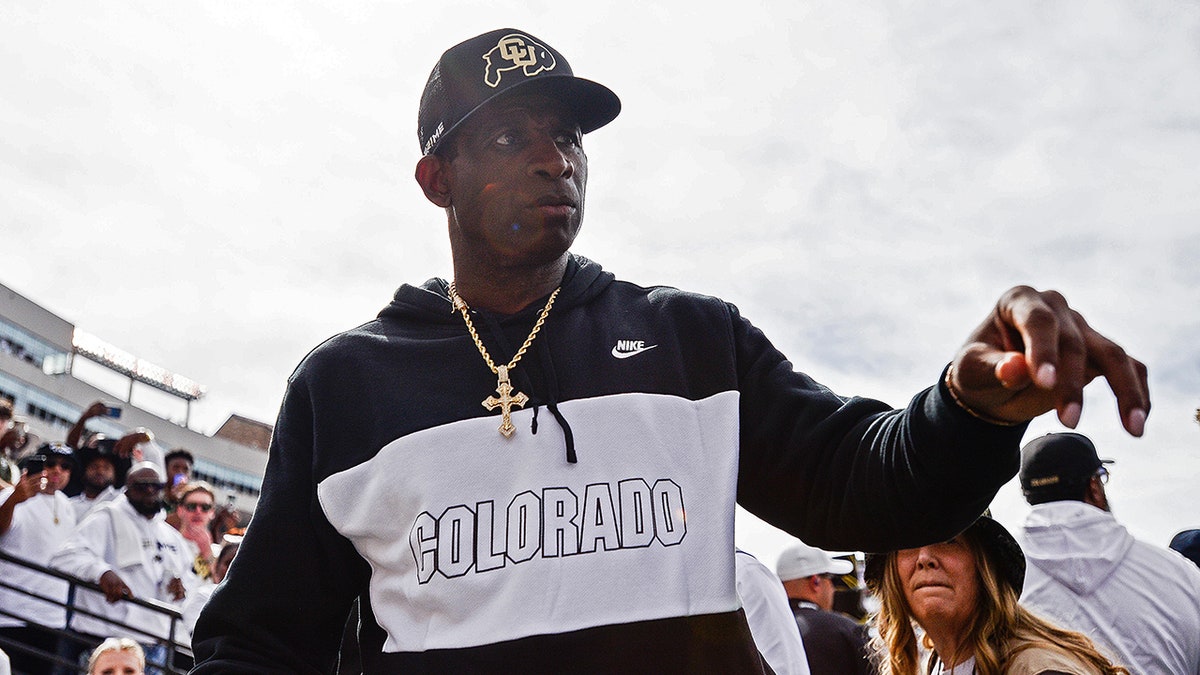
column 217, row 187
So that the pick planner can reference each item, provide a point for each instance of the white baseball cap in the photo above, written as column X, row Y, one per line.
column 154, row 466
column 802, row 560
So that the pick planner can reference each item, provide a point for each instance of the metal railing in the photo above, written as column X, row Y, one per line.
column 173, row 647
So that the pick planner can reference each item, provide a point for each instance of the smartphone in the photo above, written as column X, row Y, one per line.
column 22, row 429
column 113, row 411
column 35, row 466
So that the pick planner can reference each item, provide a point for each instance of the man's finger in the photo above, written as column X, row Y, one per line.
column 1126, row 378
column 1072, row 366
column 1038, row 317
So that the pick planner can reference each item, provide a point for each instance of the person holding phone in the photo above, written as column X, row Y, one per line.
column 136, row 445
column 179, row 463
column 35, row 518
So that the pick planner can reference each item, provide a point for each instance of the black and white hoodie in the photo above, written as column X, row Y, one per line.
column 599, row 537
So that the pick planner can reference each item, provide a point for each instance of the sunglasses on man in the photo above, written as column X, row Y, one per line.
column 144, row 486
column 196, row 506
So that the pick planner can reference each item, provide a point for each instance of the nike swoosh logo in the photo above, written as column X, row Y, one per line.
column 624, row 355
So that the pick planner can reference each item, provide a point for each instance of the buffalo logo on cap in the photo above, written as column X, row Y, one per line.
column 516, row 51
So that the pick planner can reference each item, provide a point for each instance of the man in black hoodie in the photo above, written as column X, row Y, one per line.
column 534, row 467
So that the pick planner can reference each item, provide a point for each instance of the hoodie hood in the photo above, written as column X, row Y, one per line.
column 1076, row 544
column 430, row 302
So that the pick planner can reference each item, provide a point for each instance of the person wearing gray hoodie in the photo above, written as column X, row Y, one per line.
column 1087, row 571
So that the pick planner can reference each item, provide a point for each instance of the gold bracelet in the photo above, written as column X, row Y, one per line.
column 968, row 409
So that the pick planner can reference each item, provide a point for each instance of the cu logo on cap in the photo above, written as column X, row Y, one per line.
column 516, row 51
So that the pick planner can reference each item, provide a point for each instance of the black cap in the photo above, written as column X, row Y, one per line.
column 475, row 72
column 48, row 451
column 998, row 544
column 99, row 447
column 1057, row 461
column 1188, row 543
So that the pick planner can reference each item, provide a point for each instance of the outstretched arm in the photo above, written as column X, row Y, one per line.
column 1034, row 354
column 852, row 474
column 94, row 410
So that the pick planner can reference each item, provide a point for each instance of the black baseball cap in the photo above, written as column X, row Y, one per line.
column 1188, row 543
column 99, row 447
column 473, row 73
column 1055, row 461
column 49, row 451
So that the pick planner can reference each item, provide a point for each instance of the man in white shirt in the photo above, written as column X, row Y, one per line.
column 835, row 644
column 1139, row 602
column 770, row 620
column 35, row 518
column 98, row 468
column 126, row 547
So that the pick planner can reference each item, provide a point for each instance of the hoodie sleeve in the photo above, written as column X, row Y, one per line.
column 83, row 553
column 851, row 473
column 284, row 602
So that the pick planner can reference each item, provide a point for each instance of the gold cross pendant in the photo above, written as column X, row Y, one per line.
column 506, row 401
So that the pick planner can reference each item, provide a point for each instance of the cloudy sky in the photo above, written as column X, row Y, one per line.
column 216, row 187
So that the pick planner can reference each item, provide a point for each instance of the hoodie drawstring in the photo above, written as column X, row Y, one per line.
column 552, row 401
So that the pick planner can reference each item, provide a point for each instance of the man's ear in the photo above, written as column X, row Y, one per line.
column 432, row 173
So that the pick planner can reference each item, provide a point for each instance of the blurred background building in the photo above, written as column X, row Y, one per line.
column 52, row 371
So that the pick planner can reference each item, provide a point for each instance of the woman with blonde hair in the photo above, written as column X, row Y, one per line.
column 963, row 595
column 117, row 656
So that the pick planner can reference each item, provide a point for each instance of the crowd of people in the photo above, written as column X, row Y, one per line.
column 127, row 521
column 1073, row 592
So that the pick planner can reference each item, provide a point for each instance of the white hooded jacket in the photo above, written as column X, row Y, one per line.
column 1139, row 603
column 145, row 552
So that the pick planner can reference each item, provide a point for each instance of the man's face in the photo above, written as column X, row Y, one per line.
column 144, row 491
column 516, row 183
column 196, row 508
column 58, row 474
column 179, row 466
column 99, row 474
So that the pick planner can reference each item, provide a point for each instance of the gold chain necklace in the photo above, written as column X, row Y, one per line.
column 508, row 397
